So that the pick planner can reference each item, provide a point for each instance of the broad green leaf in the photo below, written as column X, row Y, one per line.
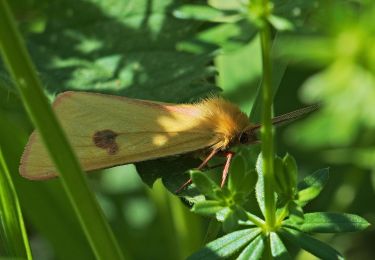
column 236, row 80
column 227, row 245
column 170, row 169
column 310, row 244
column 207, row 207
column 228, row 36
column 205, row 184
column 254, row 250
column 278, row 249
column 143, row 63
column 248, row 183
column 318, row 51
column 310, row 187
column 326, row 222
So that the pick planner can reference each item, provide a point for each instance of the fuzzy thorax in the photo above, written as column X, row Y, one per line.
column 224, row 119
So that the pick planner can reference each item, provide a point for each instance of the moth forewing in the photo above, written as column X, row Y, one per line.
column 106, row 130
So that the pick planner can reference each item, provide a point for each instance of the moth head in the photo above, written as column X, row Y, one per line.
column 249, row 135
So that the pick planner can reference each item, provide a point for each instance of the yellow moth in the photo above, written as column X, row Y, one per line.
column 106, row 131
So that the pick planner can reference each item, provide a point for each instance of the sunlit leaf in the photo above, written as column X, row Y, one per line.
column 326, row 222
column 310, row 187
column 278, row 249
column 227, row 245
column 254, row 250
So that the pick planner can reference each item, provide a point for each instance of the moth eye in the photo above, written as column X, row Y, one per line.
column 244, row 138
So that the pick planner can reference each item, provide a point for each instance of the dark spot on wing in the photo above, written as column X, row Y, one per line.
column 106, row 139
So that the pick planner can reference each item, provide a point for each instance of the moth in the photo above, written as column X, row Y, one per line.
column 106, row 131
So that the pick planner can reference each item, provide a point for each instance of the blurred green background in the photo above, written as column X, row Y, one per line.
column 142, row 49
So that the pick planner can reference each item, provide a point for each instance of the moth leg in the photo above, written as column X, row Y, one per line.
column 229, row 155
column 203, row 164
column 209, row 157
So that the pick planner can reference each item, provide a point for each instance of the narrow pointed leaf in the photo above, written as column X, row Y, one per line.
column 238, row 167
column 278, row 249
column 290, row 165
column 281, row 178
column 207, row 207
column 13, row 238
column 312, row 185
column 326, row 222
column 254, row 250
column 205, row 13
column 259, row 187
column 226, row 245
column 310, row 244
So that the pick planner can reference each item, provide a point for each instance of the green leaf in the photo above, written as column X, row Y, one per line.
column 204, row 183
column 35, row 203
column 281, row 178
column 145, row 64
column 237, row 80
column 247, row 184
column 208, row 207
column 280, row 23
column 310, row 244
column 290, row 166
column 238, row 172
column 230, row 221
column 295, row 212
column 75, row 184
column 312, row 185
column 254, row 250
column 228, row 36
column 172, row 170
column 13, row 237
column 205, row 13
column 259, row 187
column 251, row 220
column 226, row 5
column 326, row 222
column 278, row 249
column 241, row 182
column 226, row 245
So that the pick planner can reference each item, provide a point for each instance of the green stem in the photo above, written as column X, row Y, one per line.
column 87, row 210
column 267, row 128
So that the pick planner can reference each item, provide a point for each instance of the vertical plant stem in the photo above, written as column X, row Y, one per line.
column 87, row 210
column 267, row 128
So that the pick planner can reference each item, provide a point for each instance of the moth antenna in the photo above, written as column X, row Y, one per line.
column 291, row 116
column 288, row 117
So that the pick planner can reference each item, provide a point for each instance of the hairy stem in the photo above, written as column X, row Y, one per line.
column 267, row 128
